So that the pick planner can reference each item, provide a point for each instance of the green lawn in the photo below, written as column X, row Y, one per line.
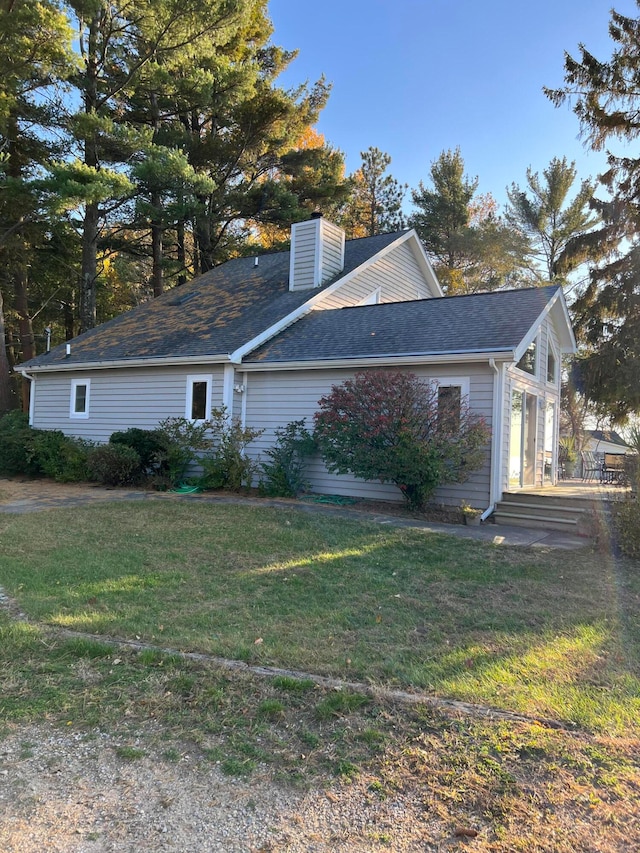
column 549, row 633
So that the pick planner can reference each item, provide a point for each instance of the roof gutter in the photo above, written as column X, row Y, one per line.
column 396, row 359
column 166, row 361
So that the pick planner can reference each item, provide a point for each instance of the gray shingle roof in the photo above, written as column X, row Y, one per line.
column 481, row 322
column 213, row 314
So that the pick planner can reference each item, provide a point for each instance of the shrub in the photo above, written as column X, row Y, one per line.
column 114, row 464
column 16, row 445
column 397, row 428
column 60, row 456
column 181, row 442
column 626, row 524
column 284, row 474
column 228, row 466
column 146, row 442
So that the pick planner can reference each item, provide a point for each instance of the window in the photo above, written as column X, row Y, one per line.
column 449, row 401
column 80, row 392
column 528, row 360
column 198, row 406
column 552, row 366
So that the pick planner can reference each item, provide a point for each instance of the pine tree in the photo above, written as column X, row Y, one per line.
column 551, row 220
column 374, row 205
column 606, row 100
column 471, row 248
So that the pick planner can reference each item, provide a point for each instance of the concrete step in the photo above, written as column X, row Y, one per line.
column 543, row 522
column 549, row 500
column 526, row 507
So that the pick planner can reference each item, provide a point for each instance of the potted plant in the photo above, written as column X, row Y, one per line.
column 470, row 514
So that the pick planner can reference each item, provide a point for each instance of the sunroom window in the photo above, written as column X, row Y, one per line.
column 528, row 361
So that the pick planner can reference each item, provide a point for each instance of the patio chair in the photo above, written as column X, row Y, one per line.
column 613, row 470
column 591, row 465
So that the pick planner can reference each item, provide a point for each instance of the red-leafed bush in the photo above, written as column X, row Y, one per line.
column 397, row 428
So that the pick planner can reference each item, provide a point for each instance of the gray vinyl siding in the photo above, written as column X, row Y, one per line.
column 397, row 274
column 314, row 242
column 119, row 399
column 277, row 397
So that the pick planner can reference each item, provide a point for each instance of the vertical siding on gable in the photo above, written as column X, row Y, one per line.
column 120, row 399
column 276, row 398
column 397, row 274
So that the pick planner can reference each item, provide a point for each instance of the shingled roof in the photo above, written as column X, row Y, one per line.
column 212, row 315
column 477, row 323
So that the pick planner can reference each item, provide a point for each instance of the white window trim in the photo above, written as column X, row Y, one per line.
column 551, row 349
column 463, row 382
column 75, row 383
column 191, row 379
column 536, row 372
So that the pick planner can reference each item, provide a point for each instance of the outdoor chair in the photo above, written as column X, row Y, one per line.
column 591, row 465
column 613, row 469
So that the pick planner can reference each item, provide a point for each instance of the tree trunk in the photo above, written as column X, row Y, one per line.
column 157, row 251
column 7, row 398
column 89, row 274
column 89, row 267
column 21, row 302
column 182, row 255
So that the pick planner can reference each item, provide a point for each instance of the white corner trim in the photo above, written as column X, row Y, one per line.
column 227, row 389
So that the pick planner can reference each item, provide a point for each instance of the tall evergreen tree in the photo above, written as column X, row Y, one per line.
column 606, row 100
column 35, row 53
column 470, row 246
column 551, row 220
column 374, row 205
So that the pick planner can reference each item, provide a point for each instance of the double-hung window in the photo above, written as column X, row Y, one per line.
column 80, row 395
column 198, row 404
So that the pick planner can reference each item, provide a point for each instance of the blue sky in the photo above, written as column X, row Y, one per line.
column 415, row 77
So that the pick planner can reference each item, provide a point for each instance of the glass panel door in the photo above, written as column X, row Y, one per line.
column 549, row 440
column 529, row 440
column 522, row 442
column 515, row 441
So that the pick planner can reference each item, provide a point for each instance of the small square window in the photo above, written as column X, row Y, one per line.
column 79, row 406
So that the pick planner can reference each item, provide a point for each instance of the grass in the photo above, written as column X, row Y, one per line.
column 541, row 632
column 521, row 786
column 549, row 633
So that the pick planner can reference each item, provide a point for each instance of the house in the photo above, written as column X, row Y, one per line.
column 266, row 337
column 605, row 441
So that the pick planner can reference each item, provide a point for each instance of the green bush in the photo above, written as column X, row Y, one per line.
column 114, row 464
column 228, row 466
column 60, row 456
column 146, row 442
column 284, row 475
column 182, row 441
column 16, row 445
column 626, row 524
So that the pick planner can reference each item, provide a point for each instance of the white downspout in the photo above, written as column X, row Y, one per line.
column 496, row 441
column 228, row 376
column 32, row 394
